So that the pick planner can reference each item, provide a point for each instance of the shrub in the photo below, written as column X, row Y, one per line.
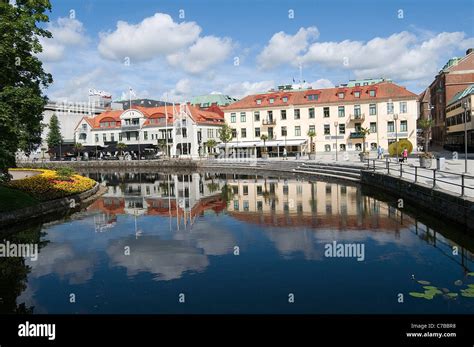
column 65, row 173
column 402, row 144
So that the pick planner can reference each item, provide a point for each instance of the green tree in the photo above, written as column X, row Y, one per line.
column 211, row 143
column 78, row 148
column 426, row 125
column 121, row 147
column 364, row 132
column 225, row 135
column 54, row 137
column 22, row 78
column 311, row 134
column 264, row 138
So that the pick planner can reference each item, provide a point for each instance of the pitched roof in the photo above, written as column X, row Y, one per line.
column 383, row 90
column 213, row 115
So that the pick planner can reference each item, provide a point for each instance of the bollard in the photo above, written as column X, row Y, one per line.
column 416, row 174
column 434, row 178
column 401, row 169
column 462, row 184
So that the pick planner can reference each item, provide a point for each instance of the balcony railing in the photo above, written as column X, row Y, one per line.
column 269, row 121
column 357, row 116
column 127, row 127
column 356, row 135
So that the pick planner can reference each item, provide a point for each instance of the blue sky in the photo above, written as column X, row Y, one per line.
column 180, row 57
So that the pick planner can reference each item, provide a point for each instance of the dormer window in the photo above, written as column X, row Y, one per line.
column 285, row 99
column 259, row 101
column 271, row 100
column 372, row 93
column 341, row 95
column 313, row 97
column 357, row 94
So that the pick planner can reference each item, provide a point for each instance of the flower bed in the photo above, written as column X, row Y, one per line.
column 48, row 185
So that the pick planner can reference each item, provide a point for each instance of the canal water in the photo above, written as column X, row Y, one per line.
column 215, row 243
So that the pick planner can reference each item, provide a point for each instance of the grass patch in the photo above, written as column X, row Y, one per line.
column 13, row 199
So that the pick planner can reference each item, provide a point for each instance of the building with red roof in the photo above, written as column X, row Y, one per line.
column 336, row 115
column 179, row 130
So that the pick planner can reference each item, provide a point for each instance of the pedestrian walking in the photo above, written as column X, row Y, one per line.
column 379, row 152
column 405, row 155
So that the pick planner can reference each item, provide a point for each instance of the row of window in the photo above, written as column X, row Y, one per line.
column 458, row 119
column 130, row 135
column 327, row 129
column 315, row 97
column 312, row 114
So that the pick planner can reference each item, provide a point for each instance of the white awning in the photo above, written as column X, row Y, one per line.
column 269, row 143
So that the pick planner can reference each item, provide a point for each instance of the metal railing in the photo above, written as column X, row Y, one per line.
column 459, row 181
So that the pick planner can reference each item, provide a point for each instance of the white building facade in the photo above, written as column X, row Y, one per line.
column 181, row 130
column 335, row 115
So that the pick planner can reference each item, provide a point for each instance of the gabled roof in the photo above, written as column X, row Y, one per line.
column 383, row 90
column 211, row 116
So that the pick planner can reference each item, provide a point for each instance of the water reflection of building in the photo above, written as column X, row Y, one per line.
column 184, row 196
column 279, row 202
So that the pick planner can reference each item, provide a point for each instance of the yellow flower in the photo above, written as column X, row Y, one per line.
column 47, row 185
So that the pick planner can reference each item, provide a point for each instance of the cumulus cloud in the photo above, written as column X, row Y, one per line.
column 203, row 54
column 321, row 83
column 156, row 35
column 241, row 89
column 284, row 48
column 67, row 32
column 400, row 56
column 182, row 91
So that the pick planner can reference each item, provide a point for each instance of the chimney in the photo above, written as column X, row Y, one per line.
column 469, row 51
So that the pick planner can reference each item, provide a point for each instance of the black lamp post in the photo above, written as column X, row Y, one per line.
column 467, row 108
column 395, row 117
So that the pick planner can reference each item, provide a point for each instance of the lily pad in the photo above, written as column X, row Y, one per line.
column 430, row 288
column 417, row 295
column 470, row 274
column 427, row 296
column 424, row 283
column 470, row 285
column 458, row 283
column 452, row 295
column 445, row 290
column 467, row 294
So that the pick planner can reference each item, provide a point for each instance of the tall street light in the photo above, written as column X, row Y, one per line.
column 395, row 117
column 467, row 108
column 335, row 128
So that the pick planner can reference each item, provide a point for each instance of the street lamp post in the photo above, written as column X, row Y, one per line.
column 467, row 107
column 335, row 128
column 395, row 117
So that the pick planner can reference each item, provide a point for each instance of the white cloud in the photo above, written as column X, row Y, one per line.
column 283, row 48
column 401, row 56
column 77, row 88
column 156, row 35
column 241, row 89
column 183, row 91
column 322, row 83
column 67, row 32
column 203, row 54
